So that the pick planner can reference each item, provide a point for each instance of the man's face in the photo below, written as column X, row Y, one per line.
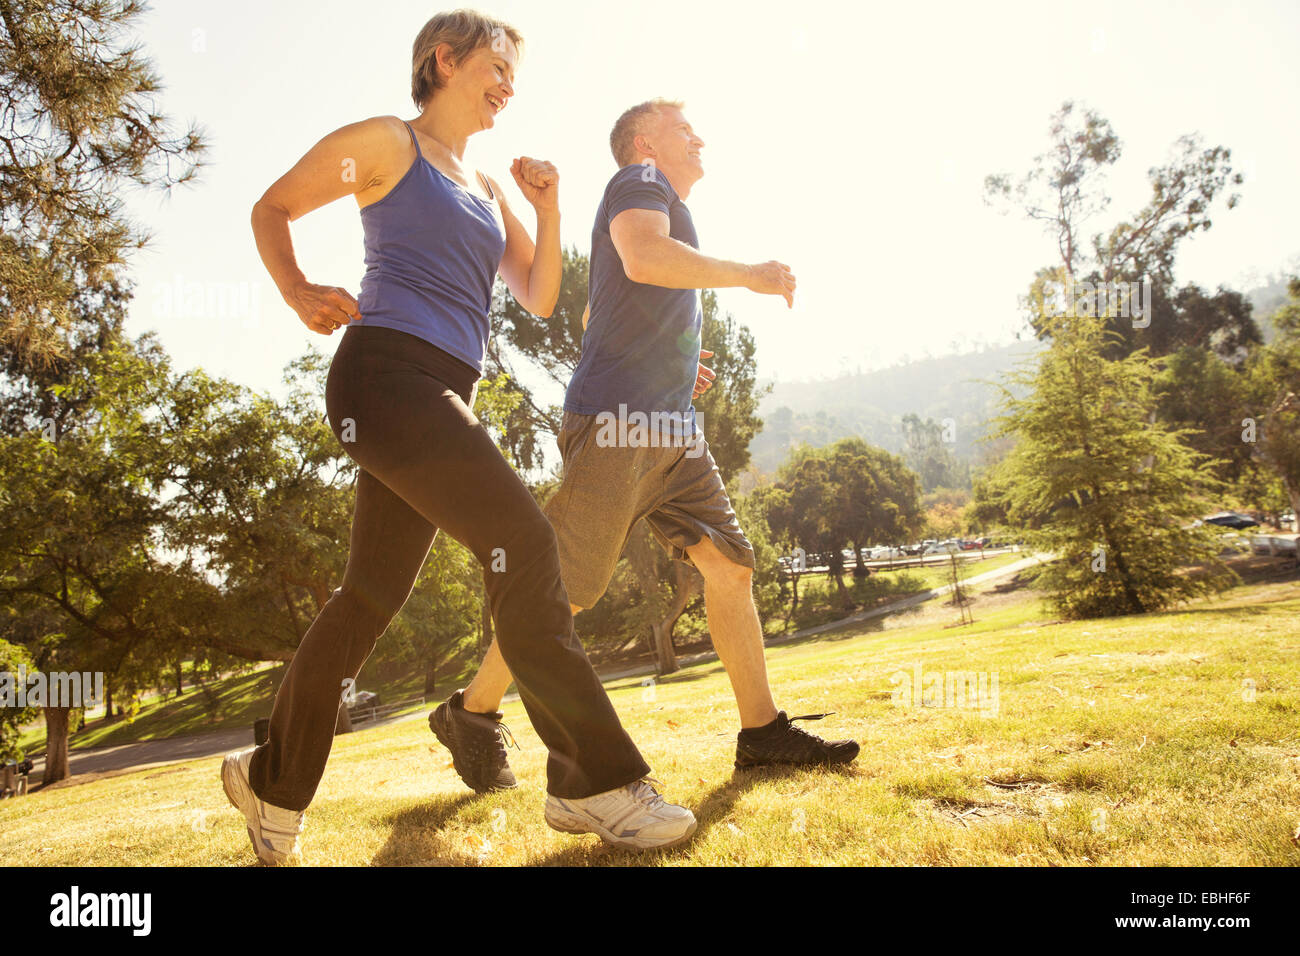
column 676, row 148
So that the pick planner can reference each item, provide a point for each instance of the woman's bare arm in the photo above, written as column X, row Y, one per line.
column 532, row 271
column 352, row 160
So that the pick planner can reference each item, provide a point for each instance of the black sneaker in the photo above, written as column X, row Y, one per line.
column 477, row 744
column 780, row 742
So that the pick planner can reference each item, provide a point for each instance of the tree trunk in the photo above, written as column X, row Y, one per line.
column 665, row 654
column 56, row 744
column 837, row 572
column 860, row 569
column 344, row 723
column 108, row 703
column 686, row 585
column 431, row 676
column 1135, row 603
column 180, row 679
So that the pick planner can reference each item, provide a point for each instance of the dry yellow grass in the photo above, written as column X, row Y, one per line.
column 1164, row 739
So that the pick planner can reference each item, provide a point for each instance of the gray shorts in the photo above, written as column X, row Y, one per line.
column 606, row 490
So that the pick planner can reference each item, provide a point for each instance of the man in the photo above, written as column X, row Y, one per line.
column 640, row 362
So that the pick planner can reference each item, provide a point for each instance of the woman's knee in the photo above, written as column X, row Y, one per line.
column 531, row 542
column 366, row 612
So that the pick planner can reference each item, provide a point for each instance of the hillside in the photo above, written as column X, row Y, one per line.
column 1265, row 300
column 871, row 405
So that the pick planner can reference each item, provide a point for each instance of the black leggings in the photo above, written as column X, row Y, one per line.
column 400, row 406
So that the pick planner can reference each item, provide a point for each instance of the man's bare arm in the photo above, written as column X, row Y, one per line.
column 652, row 257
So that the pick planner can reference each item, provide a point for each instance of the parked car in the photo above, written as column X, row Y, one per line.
column 1271, row 544
column 1287, row 520
column 942, row 547
column 1231, row 519
column 364, row 703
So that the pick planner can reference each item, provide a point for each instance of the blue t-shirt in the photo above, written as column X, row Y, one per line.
column 642, row 344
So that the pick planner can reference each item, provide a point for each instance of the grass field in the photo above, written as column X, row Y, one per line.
column 238, row 700
column 1156, row 740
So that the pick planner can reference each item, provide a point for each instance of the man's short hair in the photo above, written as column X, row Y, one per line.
column 631, row 124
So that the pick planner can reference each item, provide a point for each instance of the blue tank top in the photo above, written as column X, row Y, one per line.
column 432, row 252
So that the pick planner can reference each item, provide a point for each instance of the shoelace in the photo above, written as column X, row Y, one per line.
column 653, row 785
column 486, row 742
column 790, row 727
column 507, row 738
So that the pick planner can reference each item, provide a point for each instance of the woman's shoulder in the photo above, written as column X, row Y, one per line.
column 390, row 127
column 381, row 138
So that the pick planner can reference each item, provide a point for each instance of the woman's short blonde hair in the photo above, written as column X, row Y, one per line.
column 466, row 31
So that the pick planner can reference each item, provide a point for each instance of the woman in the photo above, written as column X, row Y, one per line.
column 399, row 395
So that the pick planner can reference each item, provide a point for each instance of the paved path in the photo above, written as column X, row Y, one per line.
column 154, row 753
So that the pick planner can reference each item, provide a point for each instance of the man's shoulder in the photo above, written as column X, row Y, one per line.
column 641, row 176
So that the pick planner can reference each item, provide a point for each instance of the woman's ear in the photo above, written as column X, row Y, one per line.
column 444, row 63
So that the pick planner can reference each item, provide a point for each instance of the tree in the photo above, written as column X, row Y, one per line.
column 1095, row 477
column 178, row 516
column 80, row 124
column 1201, row 392
column 1276, row 378
column 942, row 520
column 1064, row 190
column 878, row 496
column 987, row 508
column 849, row 493
column 929, row 456
column 1117, row 490
column 728, row 412
column 14, row 660
column 798, row 511
column 81, row 563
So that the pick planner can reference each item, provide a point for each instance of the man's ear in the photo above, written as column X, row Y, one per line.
column 642, row 144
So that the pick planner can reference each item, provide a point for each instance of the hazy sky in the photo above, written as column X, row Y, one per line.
column 848, row 140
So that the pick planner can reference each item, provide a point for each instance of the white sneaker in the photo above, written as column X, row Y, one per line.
column 632, row 816
column 273, row 830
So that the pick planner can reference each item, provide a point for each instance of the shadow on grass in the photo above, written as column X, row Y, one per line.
column 1261, row 606
column 711, row 811
column 422, row 822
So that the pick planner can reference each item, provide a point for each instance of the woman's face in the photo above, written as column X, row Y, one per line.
column 484, row 81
